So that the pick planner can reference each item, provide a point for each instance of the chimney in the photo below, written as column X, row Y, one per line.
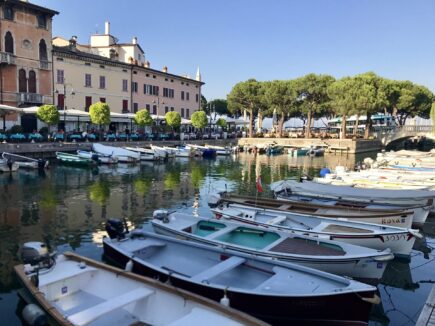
column 107, row 28
column 165, row 69
column 147, row 64
column 73, row 43
column 134, row 40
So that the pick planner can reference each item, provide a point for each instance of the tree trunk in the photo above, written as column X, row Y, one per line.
column 251, row 120
column 281, row 124
column 308, row 125
column 343, row 127
column 368, row 125
column 355, row 129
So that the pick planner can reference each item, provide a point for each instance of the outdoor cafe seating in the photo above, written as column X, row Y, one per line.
column 75, row 137
column 17, row 137
column 35, row 136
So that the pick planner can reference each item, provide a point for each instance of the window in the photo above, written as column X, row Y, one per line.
column 147, row 106
column 147, row 75
column 172, row 80
column 134, row 87
column 22, row 81
column 102, row 82
column 166, row 79
column 59, row 59
column 196, row 98
column 182, row 83
column 88, row 80
column 9, row 43
column 60, row 76
column 60, row 101
column 87, row 63
column 187, row 113
column 166, row 109
column 43, row 51
column 135, row 107
column 156, row 90
column 42, row 21
column 172, row 109
column 165, row 92
column 102, row 99
column 134, row 72
column 8, row 13
column 102, row 67
column 154, row 109
column 182, row 95
column 125, row 85
column 182, row 112
column 154, row 76
column 32, row 82
column 187, row 96
column 171, row 93
column 187, row 84
column 88, row 103
column 124, row 106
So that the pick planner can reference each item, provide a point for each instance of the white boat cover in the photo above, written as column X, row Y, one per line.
column 116, row 151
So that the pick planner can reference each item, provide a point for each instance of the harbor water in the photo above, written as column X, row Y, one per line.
column 66, row 207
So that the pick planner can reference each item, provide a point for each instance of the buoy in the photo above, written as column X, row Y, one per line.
column 129, row 266
column 224, row 300
column 34, row 316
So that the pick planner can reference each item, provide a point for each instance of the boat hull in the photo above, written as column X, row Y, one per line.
column 331, row 310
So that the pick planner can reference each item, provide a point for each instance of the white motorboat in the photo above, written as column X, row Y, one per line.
column 162, row 151
column 145, row 154
column 375, row 236
column 75, row 290
column 25, row 162
column 397, row 198
column 220, row 150
column 328, row 255
column 102, row 159
column 123, row 155
column 179, row 151
column 8, row 166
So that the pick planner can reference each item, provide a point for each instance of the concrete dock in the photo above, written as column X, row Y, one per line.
column 427, row 316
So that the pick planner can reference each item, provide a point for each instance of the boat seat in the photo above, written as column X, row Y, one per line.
column 281, row 276
column 219, row 268
column 86, row 316
column 277, row 220
column 71, row 270
column 197, row 317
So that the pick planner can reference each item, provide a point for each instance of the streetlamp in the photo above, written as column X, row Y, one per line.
column 158, row 109
column 64, row 101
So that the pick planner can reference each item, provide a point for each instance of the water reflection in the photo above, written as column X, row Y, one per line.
column 67, row 207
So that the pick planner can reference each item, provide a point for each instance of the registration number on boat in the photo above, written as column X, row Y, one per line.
column 394, row 237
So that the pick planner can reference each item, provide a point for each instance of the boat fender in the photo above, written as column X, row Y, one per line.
column 416, row 233
column 374, row 300
column 34, row 316
column 129, row 266
column 224, row 300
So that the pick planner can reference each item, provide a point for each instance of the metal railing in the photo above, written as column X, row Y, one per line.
column 7, row 58
column 30, row 98
column 44, row 65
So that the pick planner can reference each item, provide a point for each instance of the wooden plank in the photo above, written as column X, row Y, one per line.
column 427, row 315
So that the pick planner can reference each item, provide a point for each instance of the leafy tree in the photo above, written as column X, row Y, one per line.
column 342, row 94
column 173, row 119
column 48, row 114
column 312, row 95
column 221, row 122
column 414, row 100
column 143, row 118
column 199, row 119
column 281, row 95
column 220, row 106
column 203, row 103
column 432, row 117
column 100, row 113
column 246, row 96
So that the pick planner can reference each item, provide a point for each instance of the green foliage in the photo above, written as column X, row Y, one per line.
column 220, row 106
column 414, row 100
column 142, row 186
column 247, row 96
column 43, row 131
column 48, row 114
column 173, row 119
column 100, row 113
column 432, row 117
column 99, row 192
column 221, row 122
column 199, row 119
column 313, row 100
column 17, row 129
column 143, row 118
column 203, row 103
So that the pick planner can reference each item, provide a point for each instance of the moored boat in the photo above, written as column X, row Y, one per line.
column 75, row 290
column 99, row 158
column 348, row 210
column 8, row 166
column 145, row 153
column 330, row 256
column 25, row 162
column 277, row 292
column 123, row 155
column 375, row 236
column 74, row 159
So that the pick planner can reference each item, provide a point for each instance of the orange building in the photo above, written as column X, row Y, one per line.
column 25, row 55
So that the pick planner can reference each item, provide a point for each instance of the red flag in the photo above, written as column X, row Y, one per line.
column 259, row 185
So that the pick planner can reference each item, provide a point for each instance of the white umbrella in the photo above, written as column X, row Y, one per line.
column 5, row 110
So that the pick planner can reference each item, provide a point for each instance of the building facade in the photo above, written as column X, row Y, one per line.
column 25, row 54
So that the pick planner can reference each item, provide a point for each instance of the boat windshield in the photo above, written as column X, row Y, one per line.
column 252, row 238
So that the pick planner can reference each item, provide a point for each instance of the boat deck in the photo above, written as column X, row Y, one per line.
column 427, row 316
column 306, row 247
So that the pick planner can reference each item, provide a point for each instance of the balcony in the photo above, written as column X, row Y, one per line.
column 44, row 65
column 32, row 98
column 7, row 58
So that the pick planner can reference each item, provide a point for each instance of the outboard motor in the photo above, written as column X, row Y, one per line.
column 115, row 229
column 95, row 157
column 161, row 214
column 34, row 252
column 42, row 164
column 9, row 164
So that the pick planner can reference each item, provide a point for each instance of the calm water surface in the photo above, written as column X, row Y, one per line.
column 66, row 207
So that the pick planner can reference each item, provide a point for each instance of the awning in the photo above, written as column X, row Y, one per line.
column 6, row 109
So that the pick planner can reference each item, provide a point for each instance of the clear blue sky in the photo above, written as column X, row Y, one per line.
column 233, row 40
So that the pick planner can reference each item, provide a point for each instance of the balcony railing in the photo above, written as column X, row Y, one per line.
column 44, row 65
column 7, row 58
column 30, row 98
